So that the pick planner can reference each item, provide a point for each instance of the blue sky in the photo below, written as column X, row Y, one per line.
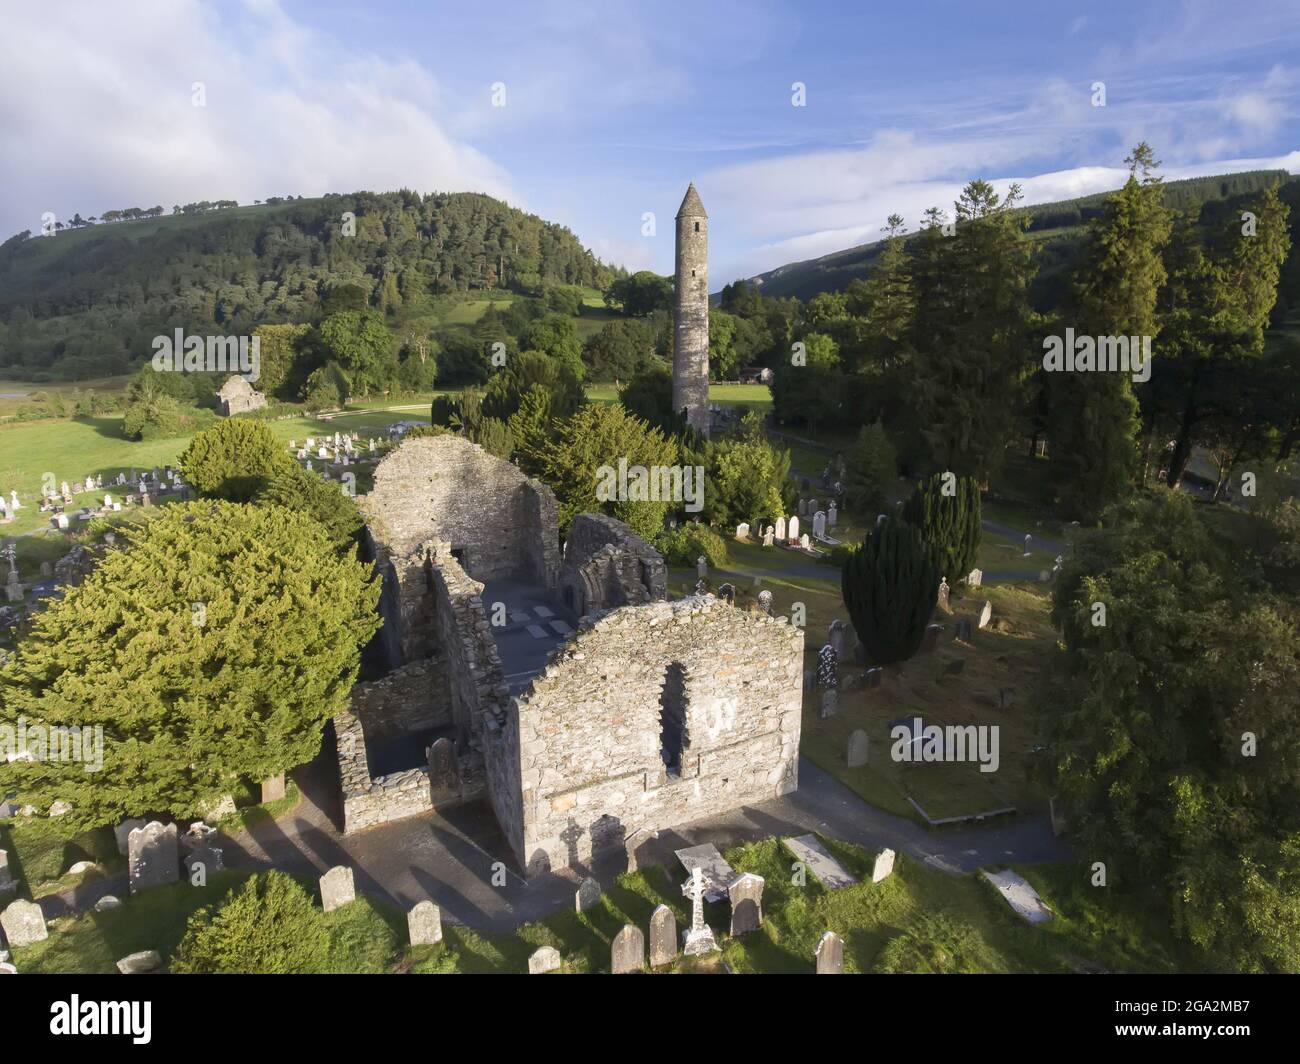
column 611, row 108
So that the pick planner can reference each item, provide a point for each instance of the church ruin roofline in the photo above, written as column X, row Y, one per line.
column 692, row 206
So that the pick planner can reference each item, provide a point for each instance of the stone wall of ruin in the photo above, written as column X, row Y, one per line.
column 606, row 565
column 589, row 727
column 369, row 801
column 499, row 522
column 413, row 698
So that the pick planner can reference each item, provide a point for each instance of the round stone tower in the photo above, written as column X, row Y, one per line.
column 691, row 313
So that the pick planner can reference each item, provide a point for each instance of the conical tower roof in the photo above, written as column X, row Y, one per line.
column 692, row 206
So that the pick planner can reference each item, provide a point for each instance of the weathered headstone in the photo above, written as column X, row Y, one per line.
column 975, row 578
column 856, row 755
column 792, row 530
column 7, row 882
column 107, row 904
column 587, row 896
column 884, row 866
column 273, row 788
column 702, row 567
column 963, row 629
column 828, row 667
column 986, row 614
column 832, row 515
column 819, row 524
column 444, row 770
column 1006, row 696
column 944, row 591
column 141, row 963
column 663, row 937
column 424, row 924
column 836, row 637
column 874, row 676
column 746, row 894
column 769, row 538
column 153, row 856
column 541, row 961
column 931, row 640
column 23, row 924
column 337, row 888
column 830, row 954
column 627, row 952
column 765, row 601
column 780, row 529
column 742, row 531
column 830, row 702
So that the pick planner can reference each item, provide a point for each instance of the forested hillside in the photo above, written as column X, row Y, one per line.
column 87, row 301
column 1056, row 227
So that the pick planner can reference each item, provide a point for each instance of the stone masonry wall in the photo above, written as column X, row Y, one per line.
column 500, row 523
column 414, row 698
column 606, row 565
column 479, row 693
column 590, row 726
column 367, row 801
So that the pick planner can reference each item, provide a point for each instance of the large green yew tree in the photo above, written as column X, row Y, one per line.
column 948, row 522
column 889, row 585
column 234, row 460
column 212, row 646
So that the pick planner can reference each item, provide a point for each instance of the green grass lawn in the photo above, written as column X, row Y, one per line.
column 41, row 850
column 917, row 920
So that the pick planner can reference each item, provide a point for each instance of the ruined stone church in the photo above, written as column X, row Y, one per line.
column 559, row 685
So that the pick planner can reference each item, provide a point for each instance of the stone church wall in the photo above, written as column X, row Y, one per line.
column 591, row 726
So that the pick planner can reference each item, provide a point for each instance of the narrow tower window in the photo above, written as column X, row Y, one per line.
column 672, row 720
column 697, row 227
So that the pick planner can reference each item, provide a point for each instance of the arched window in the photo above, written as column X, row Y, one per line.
column 672, row 720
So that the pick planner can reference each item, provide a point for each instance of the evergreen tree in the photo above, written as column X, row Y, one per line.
column 972, row 324
column 234, row 460
column 212, row 647
column 950, row 523
column 265, row 926
column 1094, row 422
column 872, row 467
column 890, row 584
column 332, row 509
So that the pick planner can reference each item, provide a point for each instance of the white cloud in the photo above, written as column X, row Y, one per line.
column 98, row 112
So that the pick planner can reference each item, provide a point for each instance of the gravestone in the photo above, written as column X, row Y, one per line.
column 874, row 676
column 884, row 866
column 142, row 963
column 207, row 858
column 424, row 924
column 627, row 952
column 123, row 833
column 792, row 530
column 975, row 578
column 273, row 788
column 765, row 601
column 337, row 888
column 541, row 961
column 830, row 702
column 943, row 595
column 857, row 751
column 153, row 856
column 809, row 680
column 7, row 882
column 663, row 937
column 742, row 531
column 727, row 592
column 23, row 924
column 819, row 524
column 832, row 515
column 746, row 894
column 702, row 567
column 963, row 629
column 835, row 637
column 780, row 529
column 587, row 896
column 830, row 954
column 47, row 569
column 805, row 542
column 1006, row 696
column 828, row 667
column 444, row 771
column 769, row 538
column 986, row 614
column 107, row 904
column 699, row 936
column 931, row 640
column 803, row 507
